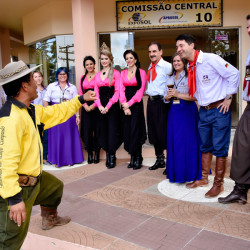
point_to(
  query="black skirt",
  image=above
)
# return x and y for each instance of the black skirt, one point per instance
(109, 125)
(89, 128)
(134, 127)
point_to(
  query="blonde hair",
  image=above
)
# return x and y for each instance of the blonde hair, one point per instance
(104, 50)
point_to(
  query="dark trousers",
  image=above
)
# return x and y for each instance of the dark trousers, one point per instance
(45, 145)
(48, 192)
(157, 115)
(240, 168)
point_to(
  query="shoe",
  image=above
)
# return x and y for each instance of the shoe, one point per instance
(51, 219)
(112, 161)
(138, 162)
(107, 159)
(160, 163)
(206, 160)
(47, 163)
(164, 172)
(90, 157)
(132, 162)
(97, 156)
(239, 194)
(220, 170)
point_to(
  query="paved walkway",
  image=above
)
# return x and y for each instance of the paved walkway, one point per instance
(122, 208)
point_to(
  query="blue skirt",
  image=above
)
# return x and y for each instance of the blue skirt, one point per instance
(183, 143)
(64, 144)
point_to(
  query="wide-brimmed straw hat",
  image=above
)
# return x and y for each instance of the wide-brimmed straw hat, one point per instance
(14, 70)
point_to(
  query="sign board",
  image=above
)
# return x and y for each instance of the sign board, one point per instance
(133, 15)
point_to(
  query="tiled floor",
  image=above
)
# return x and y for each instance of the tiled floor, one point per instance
(122, 209)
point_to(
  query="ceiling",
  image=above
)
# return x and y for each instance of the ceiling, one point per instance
(12, 11)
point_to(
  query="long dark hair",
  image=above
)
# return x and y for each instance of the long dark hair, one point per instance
(86, 58)
(183, 60)
(137, 64)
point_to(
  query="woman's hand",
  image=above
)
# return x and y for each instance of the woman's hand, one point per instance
(125, 106)
(77, 120)
(173, 93)
(86, 107)
(127, 112)
(103, 110)
(91, 107)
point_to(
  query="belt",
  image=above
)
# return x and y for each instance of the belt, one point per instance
(213, 105)
(27, 180)
(156, 97)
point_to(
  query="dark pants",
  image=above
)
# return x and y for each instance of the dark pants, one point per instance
(240, 168)
(48, 192)
(157, 116)
(45, 145)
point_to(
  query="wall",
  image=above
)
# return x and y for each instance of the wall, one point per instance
(54, 18)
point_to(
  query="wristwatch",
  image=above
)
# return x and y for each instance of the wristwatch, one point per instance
(229, 97)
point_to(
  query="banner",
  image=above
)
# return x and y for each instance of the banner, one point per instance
(133, 15)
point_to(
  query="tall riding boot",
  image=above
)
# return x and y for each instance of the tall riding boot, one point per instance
(112, 161)
(51, 219)
(107, 159)
(160, 162)
(132, 161)
(90, 157)
(97, 156)
(206, 160)
(239, 194)
(220, 170)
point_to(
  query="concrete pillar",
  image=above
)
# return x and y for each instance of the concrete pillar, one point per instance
(85, 41)
(5, 47)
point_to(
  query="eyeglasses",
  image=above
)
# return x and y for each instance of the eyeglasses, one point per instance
(62, 74)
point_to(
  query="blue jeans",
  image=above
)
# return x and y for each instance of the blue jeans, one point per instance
(215, 129)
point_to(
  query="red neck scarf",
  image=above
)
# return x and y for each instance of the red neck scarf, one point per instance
(192, 74)
(154, 73)
(244, 86)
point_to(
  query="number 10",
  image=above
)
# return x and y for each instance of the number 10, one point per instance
(207, 17)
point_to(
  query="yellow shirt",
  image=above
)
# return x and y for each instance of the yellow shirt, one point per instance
(20, 144)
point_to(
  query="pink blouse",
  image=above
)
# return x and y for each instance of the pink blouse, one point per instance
(126, 82)
(87, 85)
(116, 83)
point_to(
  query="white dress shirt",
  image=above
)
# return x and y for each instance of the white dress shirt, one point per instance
(157, 87)
(244, 93)
(215, 78)
(55, 94)
(39, 99)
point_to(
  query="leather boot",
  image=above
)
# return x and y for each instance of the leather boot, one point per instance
(206, 160)
(138, 162)
(239, 194)
(90, 157)
(132, 161)
(160, 163)
(112, 161)
(220, 170)
(97, 156)
(51, 219)
(107, 159)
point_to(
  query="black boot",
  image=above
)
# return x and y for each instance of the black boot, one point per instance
(107, 159)
(160, 163)
(97, 156)
(239, 194)
(112, 161)
(90, 157)
(138, 162)
(132, 162)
